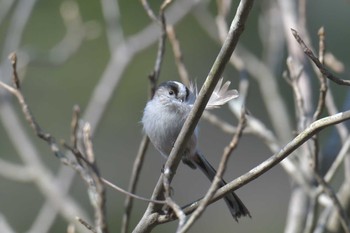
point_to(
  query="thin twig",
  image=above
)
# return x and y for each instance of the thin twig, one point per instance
(153, 77)
(113, 186)
(87, 225)
(293, 80)
(317, 62)
(97, 189)
(121, 56)
(305, 135)
(321, 99)
(135, 174)
(219, 123)
(88, 172)
(149, 10)
(30, 118)
(13, 58)
(344, 151)
(175, 44)
(260, 130)
(344, 220)
(75, 126)
(160, 54)
(89, 151)
(171, 203)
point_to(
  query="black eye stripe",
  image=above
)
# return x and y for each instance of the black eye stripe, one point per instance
(171, 86)
(187, 93)
(174, 88)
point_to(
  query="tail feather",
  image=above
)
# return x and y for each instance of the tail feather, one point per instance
(235, 205)
(221, 95)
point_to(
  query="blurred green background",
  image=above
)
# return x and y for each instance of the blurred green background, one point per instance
(52, 91)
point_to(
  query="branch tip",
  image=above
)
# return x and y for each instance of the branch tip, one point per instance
(13, 59)
(321, 31)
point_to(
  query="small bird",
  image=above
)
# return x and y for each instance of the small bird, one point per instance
(164, 116)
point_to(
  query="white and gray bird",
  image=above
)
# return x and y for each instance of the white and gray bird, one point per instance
(164, 116)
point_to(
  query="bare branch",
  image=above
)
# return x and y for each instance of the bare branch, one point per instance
(87, 225)
(115, 187)
(305, 135)
(88, 173)
(171, 203)
(321, 99)
(13, 59)
(135, 174)
(275, 159)
(338, 161)
(329, 191)
(75, 126)
(175, 44)
(317, 62)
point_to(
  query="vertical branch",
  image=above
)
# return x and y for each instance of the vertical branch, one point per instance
(153, 77)
(135, 174)
(13, 60)
(171, 203)
(96, 188)
(321, 99)
(75, 126)
(181, 68)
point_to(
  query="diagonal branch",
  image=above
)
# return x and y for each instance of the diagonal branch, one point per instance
(268, 164)
(317, 62)
(344, 220)
(305, 135)
(88, 171)
(236, 29)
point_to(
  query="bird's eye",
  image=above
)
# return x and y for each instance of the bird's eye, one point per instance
(171, 92)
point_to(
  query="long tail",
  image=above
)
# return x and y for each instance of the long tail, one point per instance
(235, 205)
